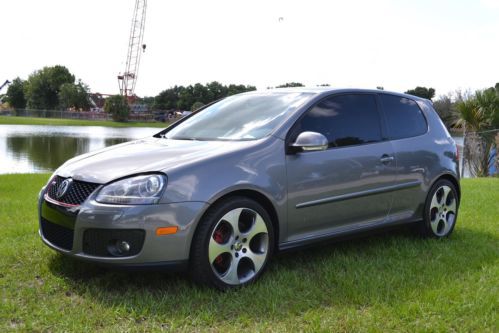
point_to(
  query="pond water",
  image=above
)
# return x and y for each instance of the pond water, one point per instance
(37, 149)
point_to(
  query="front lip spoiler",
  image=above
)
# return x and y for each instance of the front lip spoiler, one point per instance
(167, 266)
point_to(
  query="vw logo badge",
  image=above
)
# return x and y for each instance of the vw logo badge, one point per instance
(63, 188)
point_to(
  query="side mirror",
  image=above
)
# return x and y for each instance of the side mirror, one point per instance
(309, 141)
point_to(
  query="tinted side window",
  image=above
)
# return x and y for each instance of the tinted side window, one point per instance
(344, 120)
(404, 117)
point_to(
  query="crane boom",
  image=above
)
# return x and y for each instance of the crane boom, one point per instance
(128, 79)
(4, 84)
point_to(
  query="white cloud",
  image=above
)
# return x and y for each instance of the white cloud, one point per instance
(490, 3)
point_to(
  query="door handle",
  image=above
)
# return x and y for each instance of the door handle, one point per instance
(386, 159)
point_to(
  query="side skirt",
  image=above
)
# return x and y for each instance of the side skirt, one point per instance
(346, 232)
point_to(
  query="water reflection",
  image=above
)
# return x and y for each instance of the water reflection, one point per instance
(114, 141)
(32, 148)
(44, 148)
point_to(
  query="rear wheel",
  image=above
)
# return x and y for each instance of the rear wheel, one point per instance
(441, 209)
(232, 245)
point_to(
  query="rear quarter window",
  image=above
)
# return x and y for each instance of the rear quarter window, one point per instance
(403, 116)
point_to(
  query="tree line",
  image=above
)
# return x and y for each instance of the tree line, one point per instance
(55, 88)
(194, 96)
(49, 88)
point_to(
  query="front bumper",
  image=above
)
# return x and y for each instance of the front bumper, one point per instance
(69, 230)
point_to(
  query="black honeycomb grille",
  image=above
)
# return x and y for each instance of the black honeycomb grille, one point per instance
(76, 194)
(58, 235)
(101, 242)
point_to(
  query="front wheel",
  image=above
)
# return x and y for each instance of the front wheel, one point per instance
(441, 207)
(232, 245)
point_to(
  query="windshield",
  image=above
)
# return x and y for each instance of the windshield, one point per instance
(240, 117)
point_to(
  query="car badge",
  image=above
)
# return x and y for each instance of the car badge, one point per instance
(63, 188)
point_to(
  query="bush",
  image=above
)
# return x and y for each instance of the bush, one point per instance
(118, 107)
(196, 106)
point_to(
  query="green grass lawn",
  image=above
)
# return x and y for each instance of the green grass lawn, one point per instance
(392, 281)
(9, 120)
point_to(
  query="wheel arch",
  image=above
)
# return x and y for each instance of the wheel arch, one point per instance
(263, 200)
(452, 179)
(255, 195)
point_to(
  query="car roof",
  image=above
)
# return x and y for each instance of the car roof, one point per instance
(329, 90)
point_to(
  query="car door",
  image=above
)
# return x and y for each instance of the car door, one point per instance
(348, 185)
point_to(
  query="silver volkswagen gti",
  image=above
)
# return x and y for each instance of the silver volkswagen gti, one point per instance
(220, 191)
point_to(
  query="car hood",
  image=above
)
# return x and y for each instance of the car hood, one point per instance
(145, 155)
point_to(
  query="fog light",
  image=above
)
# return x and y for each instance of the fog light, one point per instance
(122, 247)
(118, 248)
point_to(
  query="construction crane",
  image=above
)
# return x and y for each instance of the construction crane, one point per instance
(4, 84)
(128, 79)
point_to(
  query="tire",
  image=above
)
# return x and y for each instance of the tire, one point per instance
(441, 209)
(232, 245)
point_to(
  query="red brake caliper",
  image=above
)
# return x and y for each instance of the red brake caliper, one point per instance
(218, 236)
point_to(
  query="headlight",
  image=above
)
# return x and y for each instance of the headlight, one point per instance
(138, 190)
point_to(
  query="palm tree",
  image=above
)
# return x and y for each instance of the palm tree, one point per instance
(479, 116)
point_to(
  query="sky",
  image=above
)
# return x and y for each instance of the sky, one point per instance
(444, 44)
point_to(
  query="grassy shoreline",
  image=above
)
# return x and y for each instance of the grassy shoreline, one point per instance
(390, 282)
(11, 120)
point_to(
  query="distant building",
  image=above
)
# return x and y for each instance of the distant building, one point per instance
(138, 108)
(97, 102)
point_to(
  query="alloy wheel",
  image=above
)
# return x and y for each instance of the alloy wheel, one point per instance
(238, 246)
(443, 208)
